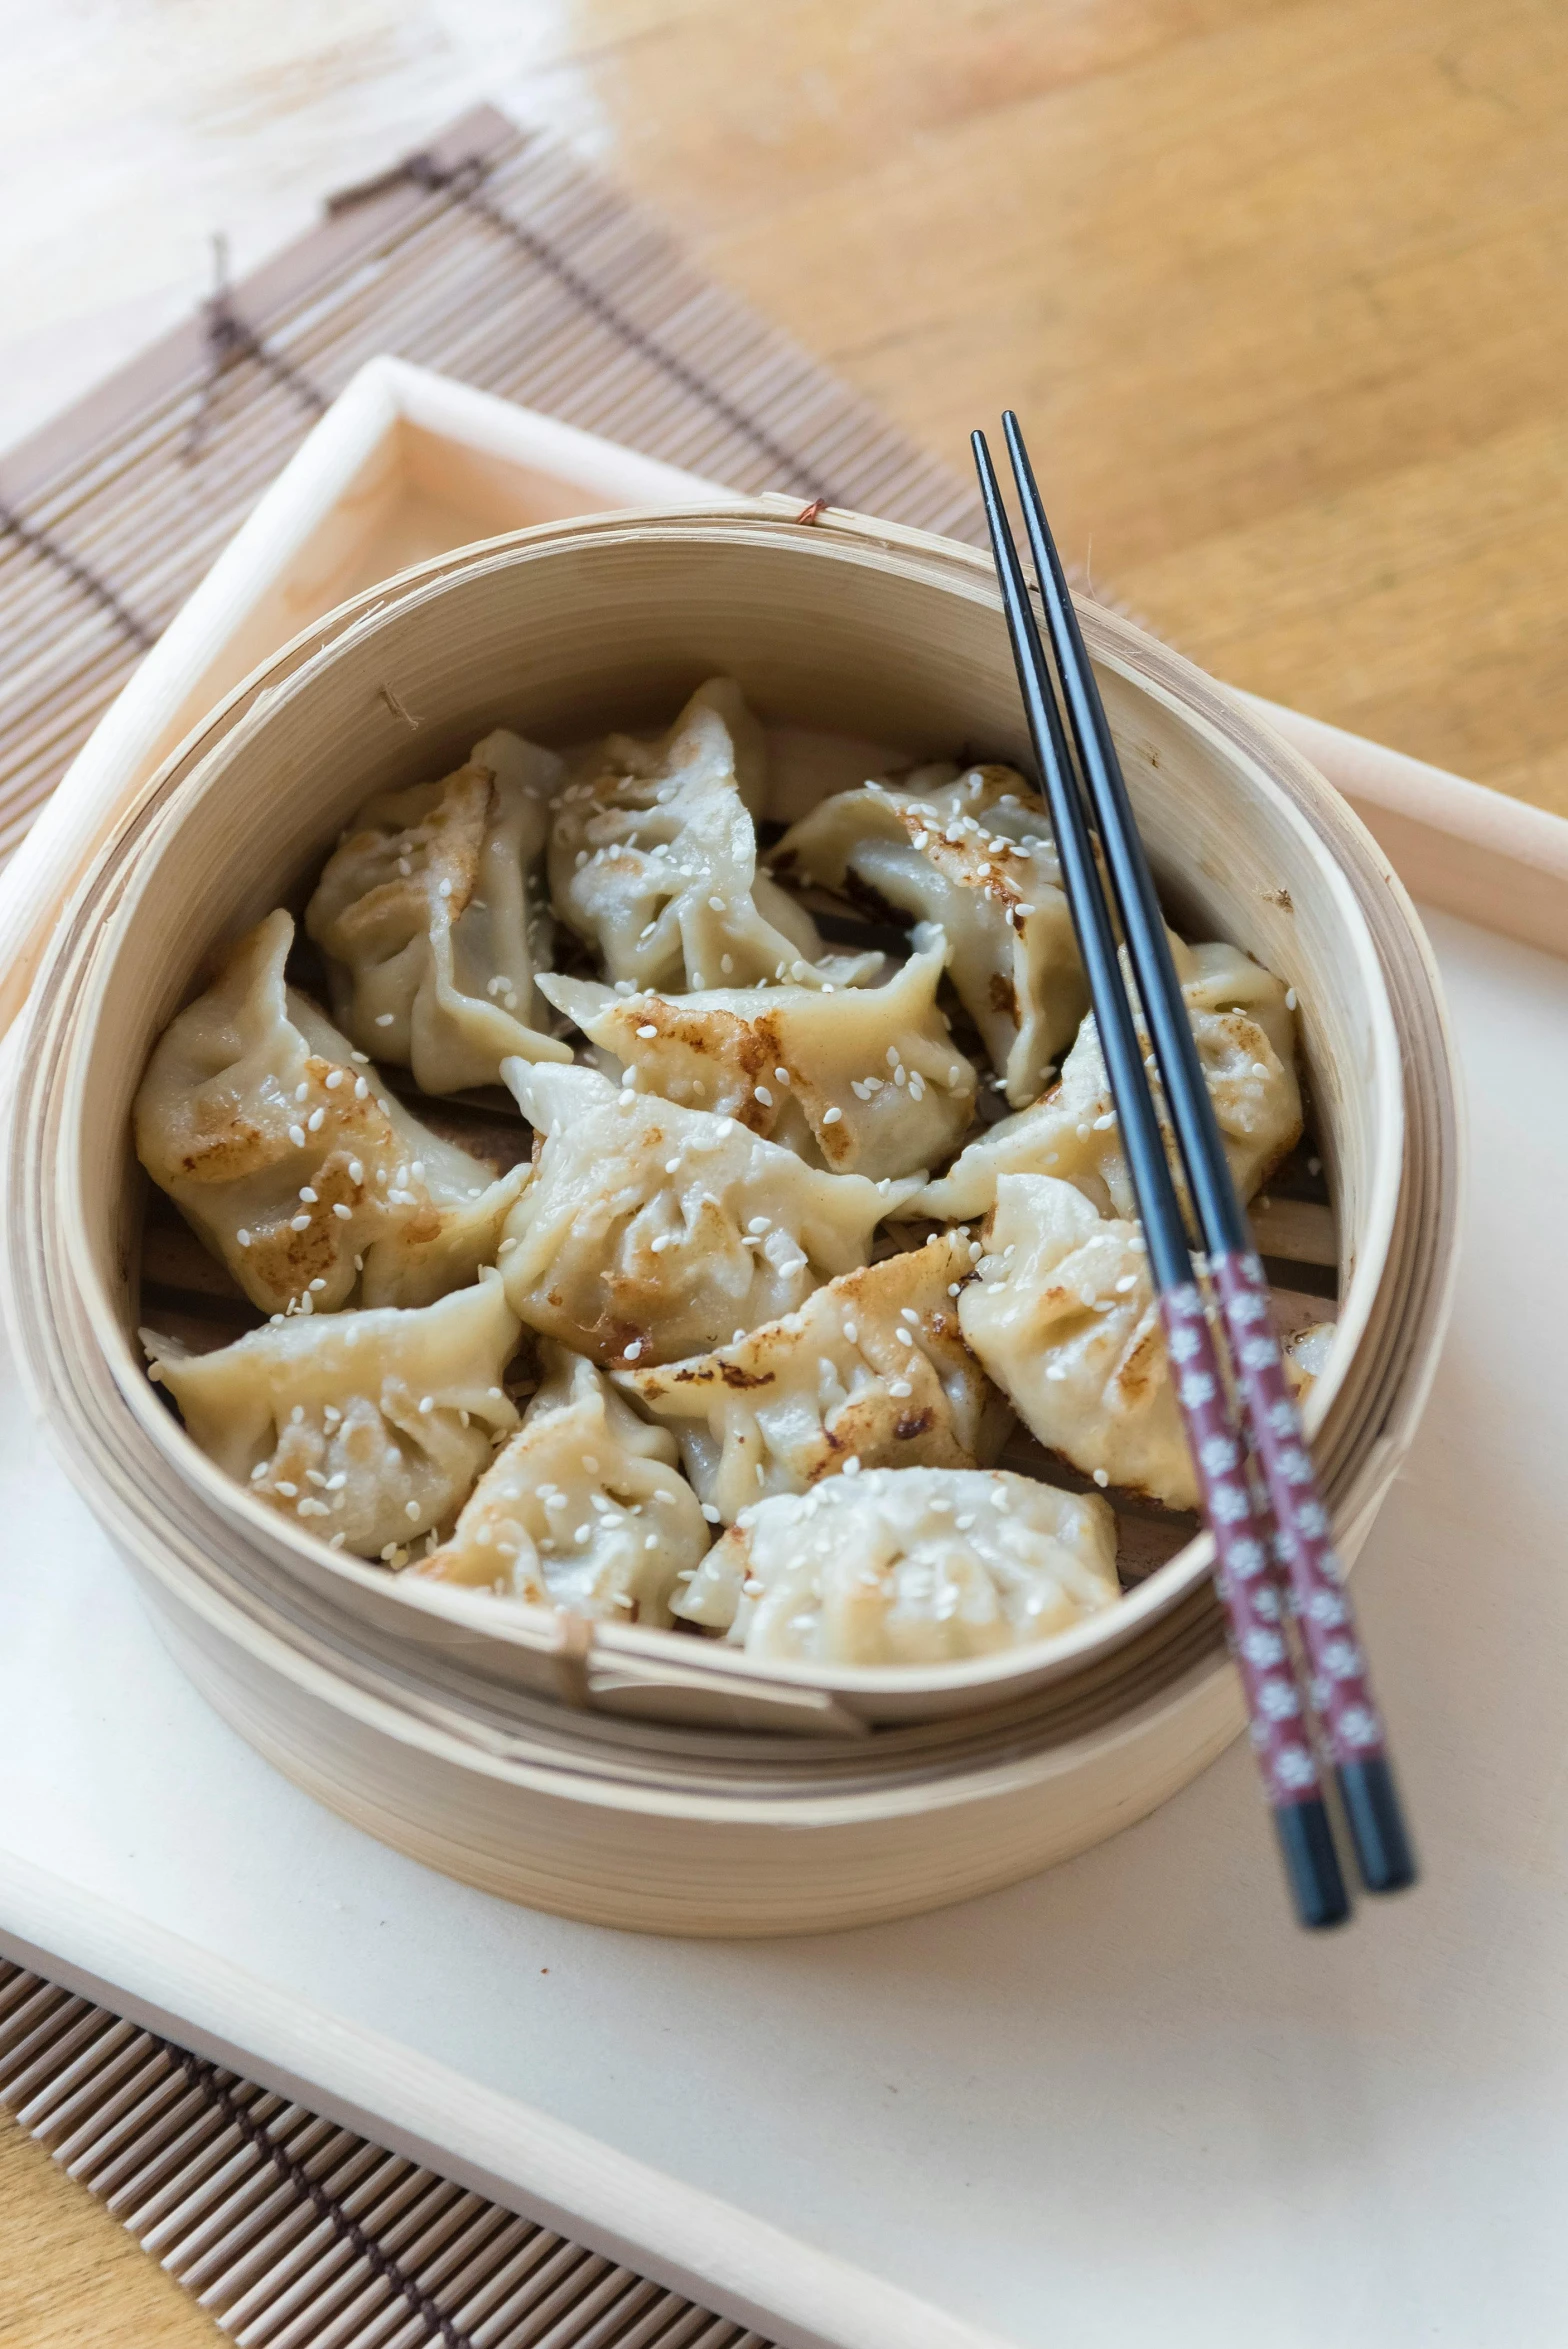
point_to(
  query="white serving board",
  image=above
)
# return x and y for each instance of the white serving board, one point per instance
(1121, 2104)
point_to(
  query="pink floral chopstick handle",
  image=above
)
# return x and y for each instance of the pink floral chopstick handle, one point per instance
(1245, 1575)
(1304, 1537)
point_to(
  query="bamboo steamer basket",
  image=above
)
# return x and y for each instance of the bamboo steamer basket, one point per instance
(634, 1779)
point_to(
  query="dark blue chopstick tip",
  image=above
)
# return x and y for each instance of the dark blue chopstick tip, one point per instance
(1377, 1827)
(1306, 1842)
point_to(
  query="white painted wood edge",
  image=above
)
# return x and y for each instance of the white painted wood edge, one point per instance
(1474, 852)
(513, 2154)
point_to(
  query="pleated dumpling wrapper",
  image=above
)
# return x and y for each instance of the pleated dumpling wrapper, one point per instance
(653, 860)
(432, 915)
(907, 1566)
(584, 1509)
(974, 856)
(367, 1429)
(282, 1148)
(1064, 1319)
(1245, 1033)
(651, 1231)
(865, 1080)
(871, 1371)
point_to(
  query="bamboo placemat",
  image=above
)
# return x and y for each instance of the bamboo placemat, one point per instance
(494, 257)
(294, 2234)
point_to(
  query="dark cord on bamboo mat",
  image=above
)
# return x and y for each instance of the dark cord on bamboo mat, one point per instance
(463, 182)
(204, 2078)
(230, 341)
(49, 550)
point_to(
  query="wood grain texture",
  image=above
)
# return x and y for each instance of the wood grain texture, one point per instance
(1276, 284)
(70, 2278)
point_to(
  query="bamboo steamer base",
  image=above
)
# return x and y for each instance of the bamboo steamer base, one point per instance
(676, 1792)
(700, 1868)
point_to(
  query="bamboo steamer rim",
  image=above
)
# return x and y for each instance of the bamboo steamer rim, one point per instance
(118, 881)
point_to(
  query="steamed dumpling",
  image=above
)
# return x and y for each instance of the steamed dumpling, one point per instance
(1063, 1317)
(279, 1145)
(1245, 1037)
(871, 1370)
(653, 861)
(865, 1080)
(431, 916)
(651, 1231)
(907, 1566)
(365, 1428)
(584, 1509)
(975, 857)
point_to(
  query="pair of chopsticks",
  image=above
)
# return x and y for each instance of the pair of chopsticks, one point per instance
(1292, 1633)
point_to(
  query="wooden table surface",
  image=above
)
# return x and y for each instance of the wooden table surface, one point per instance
(1274, 283)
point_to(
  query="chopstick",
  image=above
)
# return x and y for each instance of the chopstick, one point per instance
(1275, 1567)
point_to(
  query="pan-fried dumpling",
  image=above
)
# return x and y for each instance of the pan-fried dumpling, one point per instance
(279, 1145)
(907, 1566)
(431, 916)
(871, 1371)
(976, 858)
(1064, 1319)
(1244, 1032)
(365, 1428)
(651, 1231)
(584, 1509)
(653, 861)
(865, 1080)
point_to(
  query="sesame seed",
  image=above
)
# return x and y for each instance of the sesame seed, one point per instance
(411, 1509)
(852, 1468)
(852, 1332)
(782, 1075)
(307, 1194)
(290, 1492)
(361, 1089)
(651, 1542)
(710, 1512)
(672, 1166)
(717, 904)
(318, 1285)
(334, 1079)
(384, 1020)
(1101, 1478)
(648, 1031)
(833, 1116)
(903, 1337)
(908, 1313)
(243, 1237)
(343, 1214)
(1290, 998)
(1056, 1370)
(299, 1223)
(297, 1137)
(634, 1349)
(900, 1386)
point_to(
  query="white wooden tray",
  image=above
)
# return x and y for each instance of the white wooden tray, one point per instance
(1121, 2104)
